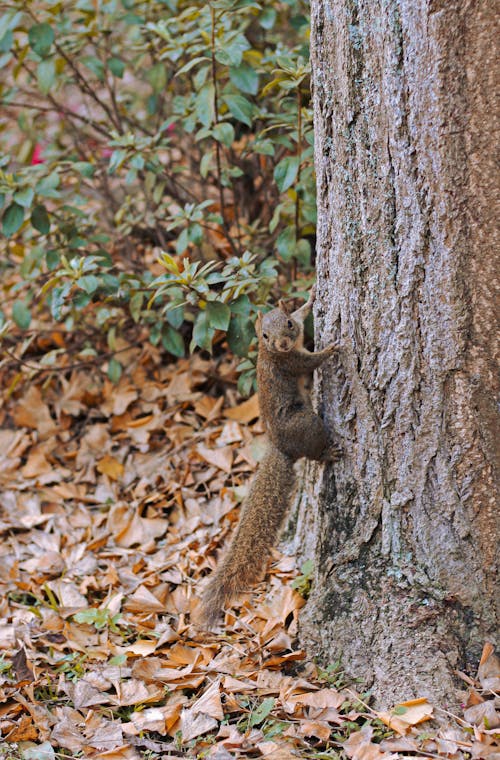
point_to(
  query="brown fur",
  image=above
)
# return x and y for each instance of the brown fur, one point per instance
(257, 531)
(294, 431)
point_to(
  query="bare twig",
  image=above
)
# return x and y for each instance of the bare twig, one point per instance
(217, 143)
(75, 365)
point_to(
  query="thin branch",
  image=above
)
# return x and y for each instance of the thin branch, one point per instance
(297, 192)
(75, 365)
(217, 143)
(57, 108)
(85, 86)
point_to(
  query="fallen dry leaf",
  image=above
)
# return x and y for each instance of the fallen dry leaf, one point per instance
(407, 714)
(483, 715)
(111, 467)
(195, 724)
(114, 502)
(488, 672)
(221, 458)
(359, 746)
(245, 412)
(32, 412)
(210, 702)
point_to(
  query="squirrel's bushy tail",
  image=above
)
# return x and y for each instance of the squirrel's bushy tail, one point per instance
(262, 514)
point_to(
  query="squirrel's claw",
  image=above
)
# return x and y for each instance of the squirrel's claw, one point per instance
(333, 348)
(333, 453)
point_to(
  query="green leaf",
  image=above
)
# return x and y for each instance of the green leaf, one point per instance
(24, 197)
(262, 711)
(118, 157)
(41, 37)
(224, 133)
(89, 283)
(12, 218)
(303, 251)
(169, 263)
(114, 370)
(157, 77)
(240, 334)
(5, 58)
(21, 315)
(204, 105)
(172, 340)
(175, 316)
(84, 168)
(9, 21)
(119, 660)
(245, 78)
(240, 107)
(241, 305)
(6, 43)
(285, 173)
(52, 258)
(218, 314)
(245, 383)
(182, 242)
(265, 147)
(191, 64)
(132, 19)
(230, 52)
(267, 18)
(47, 186)
(95, 65)
(195, 233)
(399, 710)
(93, 616)
(40, 219)
(202, 333)
(307, 567)
(58, 298)
(81, 300)
(46, 75)
(137, 161)
(116, 66)
(206, 164)
(285, 243)
(135, 305)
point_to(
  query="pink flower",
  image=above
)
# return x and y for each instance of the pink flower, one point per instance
(36, 158)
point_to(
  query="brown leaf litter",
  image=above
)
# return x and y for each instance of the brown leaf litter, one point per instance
(114, 500)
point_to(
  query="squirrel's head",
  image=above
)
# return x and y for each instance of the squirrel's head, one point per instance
(277, 331)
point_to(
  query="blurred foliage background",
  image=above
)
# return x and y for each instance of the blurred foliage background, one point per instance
(156, 176)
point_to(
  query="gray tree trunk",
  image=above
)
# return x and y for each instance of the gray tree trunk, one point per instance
(404, 530)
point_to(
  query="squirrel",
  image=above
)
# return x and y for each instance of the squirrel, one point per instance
(294, 430)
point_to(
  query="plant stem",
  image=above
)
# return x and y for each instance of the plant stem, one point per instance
(297, 192)
(217, 143)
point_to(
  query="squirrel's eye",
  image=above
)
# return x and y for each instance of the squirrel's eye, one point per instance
(290, 323)
(264, 335)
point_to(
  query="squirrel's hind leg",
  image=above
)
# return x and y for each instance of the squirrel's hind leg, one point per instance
(305, 435)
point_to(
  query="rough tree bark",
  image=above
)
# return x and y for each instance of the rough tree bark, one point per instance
(404, 530)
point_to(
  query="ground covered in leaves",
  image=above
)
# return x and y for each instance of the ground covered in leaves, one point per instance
(114, 500)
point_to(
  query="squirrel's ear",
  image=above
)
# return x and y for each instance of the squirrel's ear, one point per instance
(258, 324)
(283, 307)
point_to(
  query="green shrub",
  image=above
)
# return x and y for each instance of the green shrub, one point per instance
(156, 154)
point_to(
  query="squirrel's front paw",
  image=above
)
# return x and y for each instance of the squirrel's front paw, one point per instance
(333, 453)
(333, 348)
